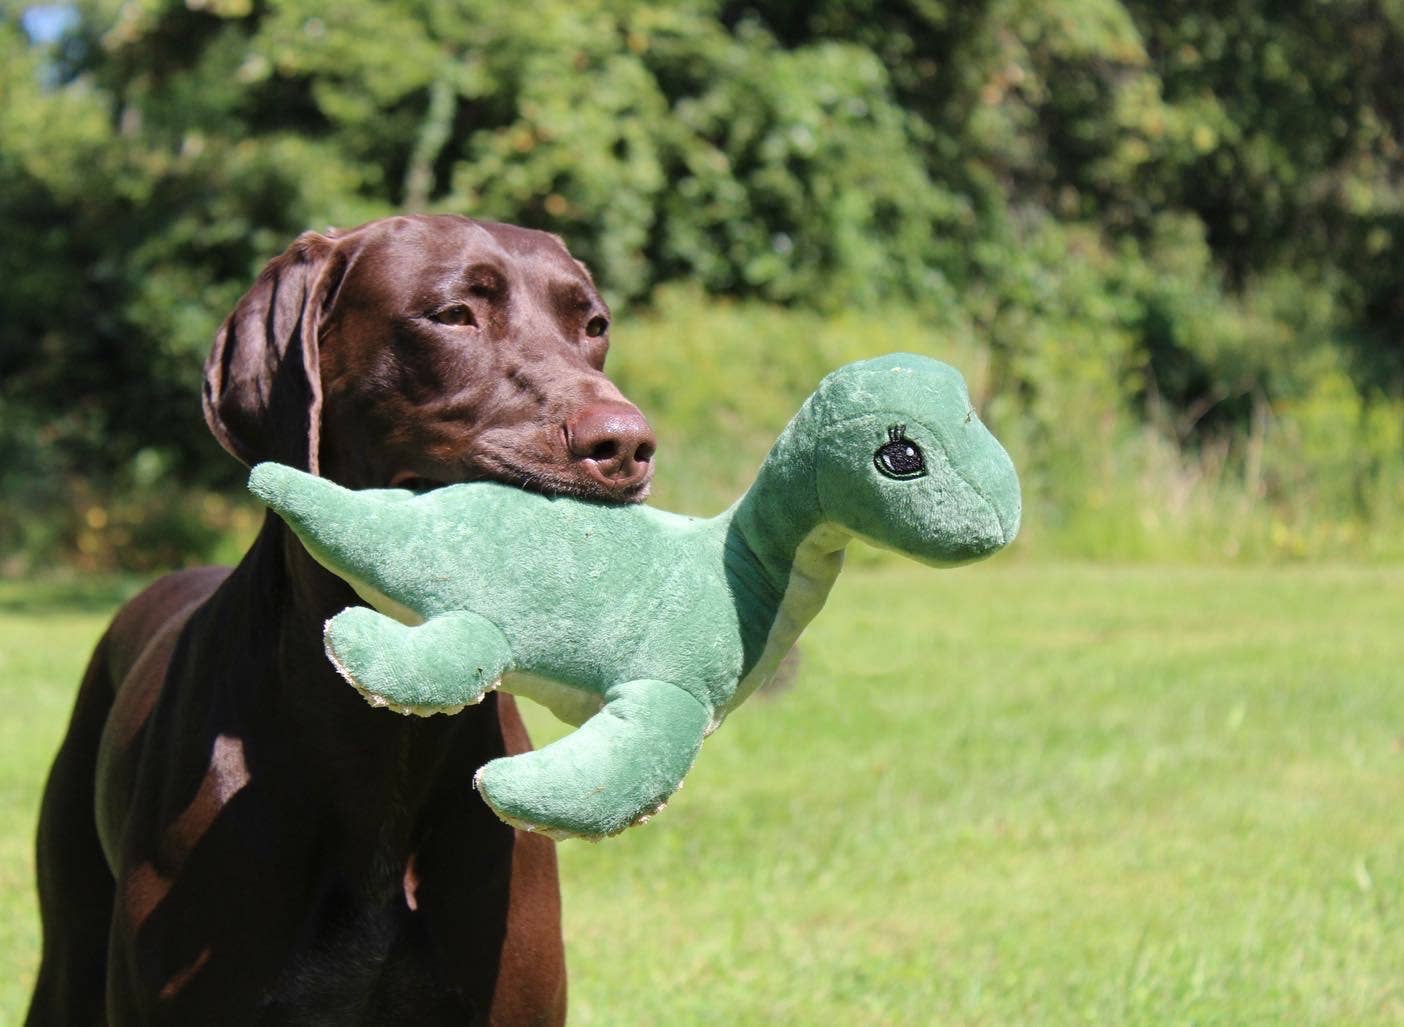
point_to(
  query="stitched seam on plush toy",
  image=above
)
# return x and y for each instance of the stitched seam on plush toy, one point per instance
(814, 468)
(706, 709)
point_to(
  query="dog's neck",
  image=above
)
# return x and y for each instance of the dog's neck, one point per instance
(372, 772)
(314, 594)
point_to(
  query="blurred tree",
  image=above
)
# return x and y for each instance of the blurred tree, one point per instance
(1183, 209)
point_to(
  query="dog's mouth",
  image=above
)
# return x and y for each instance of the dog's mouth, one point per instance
(590, 490)
(542, 481)
(414, 482)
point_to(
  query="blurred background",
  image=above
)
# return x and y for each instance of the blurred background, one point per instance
(1164, 240)
(1147, 767)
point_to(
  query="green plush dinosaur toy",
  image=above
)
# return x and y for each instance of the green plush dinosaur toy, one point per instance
(645, 628)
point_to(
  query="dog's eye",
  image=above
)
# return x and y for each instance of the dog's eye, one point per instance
(456, 314)
(596, 327)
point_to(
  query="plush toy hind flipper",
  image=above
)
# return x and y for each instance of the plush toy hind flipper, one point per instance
(446, 663)
(616, 769)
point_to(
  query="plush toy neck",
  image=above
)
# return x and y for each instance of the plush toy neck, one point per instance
(782, 556)
(781, 508)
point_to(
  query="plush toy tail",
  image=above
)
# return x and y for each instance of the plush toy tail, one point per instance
(274, 484)
(342, 529)
(296, 496)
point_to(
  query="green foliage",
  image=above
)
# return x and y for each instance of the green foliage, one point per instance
(720, 379)
(1108, 469)
(1168, 229)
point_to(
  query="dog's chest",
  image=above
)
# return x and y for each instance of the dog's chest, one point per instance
(365, 966)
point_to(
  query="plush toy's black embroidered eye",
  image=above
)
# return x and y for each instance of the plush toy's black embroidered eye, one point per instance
(899, 457)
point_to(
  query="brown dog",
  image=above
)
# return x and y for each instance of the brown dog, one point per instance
(267, 848)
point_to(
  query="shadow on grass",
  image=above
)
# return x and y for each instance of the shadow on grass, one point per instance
(46, 597)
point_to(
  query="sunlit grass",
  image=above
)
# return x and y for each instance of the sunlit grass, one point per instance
(1013, 793)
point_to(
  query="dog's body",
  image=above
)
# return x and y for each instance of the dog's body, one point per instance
(266, 848)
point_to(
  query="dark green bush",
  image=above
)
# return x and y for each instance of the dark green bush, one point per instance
(1168, 235)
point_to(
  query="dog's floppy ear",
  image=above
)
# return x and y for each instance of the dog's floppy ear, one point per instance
(263, 388)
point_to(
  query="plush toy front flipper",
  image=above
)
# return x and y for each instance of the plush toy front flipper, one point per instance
(446, 663)
(615, 770)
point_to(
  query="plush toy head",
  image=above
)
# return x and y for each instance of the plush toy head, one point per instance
(903, 462)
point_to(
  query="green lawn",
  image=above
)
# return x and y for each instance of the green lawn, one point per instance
(1014, 793)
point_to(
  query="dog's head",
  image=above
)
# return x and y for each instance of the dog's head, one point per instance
(416, 351)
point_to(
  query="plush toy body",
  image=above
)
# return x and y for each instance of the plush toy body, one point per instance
(644, 627)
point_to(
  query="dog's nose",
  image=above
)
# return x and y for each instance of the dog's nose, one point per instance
(613, 442)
